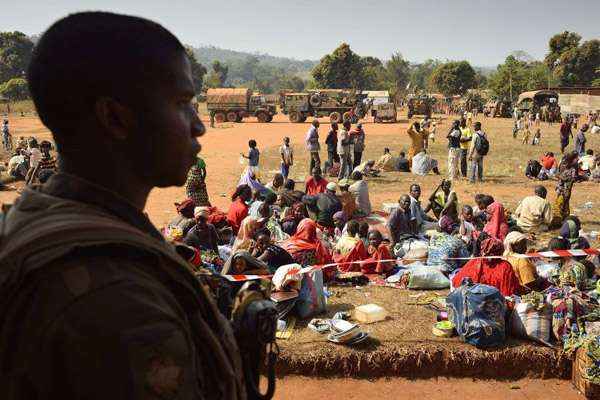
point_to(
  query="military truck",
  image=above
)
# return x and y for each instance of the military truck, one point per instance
(337, 104)
(420, 105)
(384, 112)
(234, 104)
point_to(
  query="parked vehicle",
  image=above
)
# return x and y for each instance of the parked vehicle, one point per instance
(234, 104)
(420, 105)
(337, 104)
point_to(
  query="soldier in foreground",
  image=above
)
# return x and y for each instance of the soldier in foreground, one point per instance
(93, 303)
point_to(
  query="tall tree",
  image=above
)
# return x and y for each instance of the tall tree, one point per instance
(398, 73)
(15, 89)
(579, 65)
(198, 70)
(221, 71)
(454, 77)
(559, 44)
(15, 54)
(420, 75)
(341, 69)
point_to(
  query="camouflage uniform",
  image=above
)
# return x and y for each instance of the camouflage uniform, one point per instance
(91, 313)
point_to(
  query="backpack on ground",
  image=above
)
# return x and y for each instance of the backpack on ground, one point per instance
(478, 313)
(482, 145)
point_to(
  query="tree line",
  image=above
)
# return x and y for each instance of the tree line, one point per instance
(568, 62)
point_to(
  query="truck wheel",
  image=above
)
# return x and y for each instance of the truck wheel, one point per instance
(262, 117)
(347, 116)
(295, 117)
(220, 117)
(335, 117)
(315, 100)
(232, 116)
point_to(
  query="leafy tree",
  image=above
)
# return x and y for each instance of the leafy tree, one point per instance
(578, 65)
(559, 44)
(15, 54)
(398, 73)
(373, 74)
(15, 89)
(420, 75)
(454, 77)
(510, 79)
(341, 69)
(292, 82)
(198, 70)
(220, 71)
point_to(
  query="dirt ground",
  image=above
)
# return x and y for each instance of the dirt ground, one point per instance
(504, 168)
(300, 388)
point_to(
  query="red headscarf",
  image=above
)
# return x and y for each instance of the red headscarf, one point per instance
(496, 226)
(305, 239)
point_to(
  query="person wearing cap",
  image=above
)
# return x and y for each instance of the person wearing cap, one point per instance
(358, 136)
(324, 206)
(203, 236)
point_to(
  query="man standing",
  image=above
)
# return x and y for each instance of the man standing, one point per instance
(100, 292)
(466, 136)
(331, 142)
(313, 146)
(534, 213)
(580, 140)
(454, 150)
(343, 150)
(417, 140)
(358, 136)
(565, 134)
(287, 157)
(479, 149)
(6, 136)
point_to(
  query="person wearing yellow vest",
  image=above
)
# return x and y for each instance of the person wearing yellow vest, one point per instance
(466, 136)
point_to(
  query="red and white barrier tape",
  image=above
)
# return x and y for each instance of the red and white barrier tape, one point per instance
(543, 254)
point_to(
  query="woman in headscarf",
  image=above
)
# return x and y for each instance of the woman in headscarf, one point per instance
(567, 175)
(242, 262)
(570, 231)
(339, 222)
(490, 271)
(292, 217)
(245, 236)
(515, 244)
(496, 226)
(378, 253)
(305, 247)
(239, 207)
(350, 248)
(572, 273)
(183, 222)
(195, 186)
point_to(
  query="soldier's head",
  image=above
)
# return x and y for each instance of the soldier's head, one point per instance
(315, 123)
(286, 140)
(123, 86)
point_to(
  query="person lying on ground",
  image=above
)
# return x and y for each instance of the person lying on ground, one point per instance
(490, 271)
(525, 270)
(379, 256)
(360, 190)
(533, 170)
(350, 248)
(324, 205)
(367, 168)
(271, 254)
(316, 184)
(534, 213)
(401, 223)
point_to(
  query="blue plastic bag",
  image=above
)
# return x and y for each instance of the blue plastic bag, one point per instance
(311, 299)
(478, 313)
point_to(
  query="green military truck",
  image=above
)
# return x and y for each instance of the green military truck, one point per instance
(337, 104)
(420, 105)
(234, 104)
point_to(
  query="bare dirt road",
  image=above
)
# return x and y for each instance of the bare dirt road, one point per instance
(300, 388)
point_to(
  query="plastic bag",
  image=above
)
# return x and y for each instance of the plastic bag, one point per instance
(528, 322)
(311, 299)
(427, 277)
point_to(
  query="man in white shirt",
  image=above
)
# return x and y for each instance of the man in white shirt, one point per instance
(343, 150)
(287, 157)
(534, 214)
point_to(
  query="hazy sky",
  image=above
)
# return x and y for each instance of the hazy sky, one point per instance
(483, 32)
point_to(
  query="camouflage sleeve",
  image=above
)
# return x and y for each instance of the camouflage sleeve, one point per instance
(126, 341)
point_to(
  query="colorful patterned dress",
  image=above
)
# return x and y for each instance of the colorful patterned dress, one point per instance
(195, 186)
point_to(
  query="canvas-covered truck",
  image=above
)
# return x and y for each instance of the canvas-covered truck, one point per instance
(234, 104)
(337, 104)
(420, 105)
(384, 112)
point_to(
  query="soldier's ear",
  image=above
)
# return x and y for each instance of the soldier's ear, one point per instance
(116, 119)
